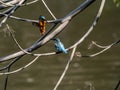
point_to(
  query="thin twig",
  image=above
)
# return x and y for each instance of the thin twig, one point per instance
(92, 26)
(100, 46)
(21, 19)
(29, 3)
(10, 4)
(49, 9)
(8, 70)
(105, 49)
(8, 67)
(29, 20)
(6, 79)
(66, 68)
(22, 68)
(17, 41)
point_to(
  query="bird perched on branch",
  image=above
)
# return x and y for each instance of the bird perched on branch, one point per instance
(59, 46)
(41, 24)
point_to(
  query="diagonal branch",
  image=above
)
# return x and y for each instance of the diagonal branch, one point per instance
(64, 23)
(49, 10)
(92, 26)
(66, 69)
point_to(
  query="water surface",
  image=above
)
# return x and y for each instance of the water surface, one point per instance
(101, 72)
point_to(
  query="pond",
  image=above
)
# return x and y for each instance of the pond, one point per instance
(100, 73)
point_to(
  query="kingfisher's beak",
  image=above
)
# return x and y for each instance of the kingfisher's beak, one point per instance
(44, 19)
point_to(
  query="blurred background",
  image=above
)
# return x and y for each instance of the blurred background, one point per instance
(101, 72)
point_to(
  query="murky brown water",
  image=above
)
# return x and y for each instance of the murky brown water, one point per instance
(102, 72)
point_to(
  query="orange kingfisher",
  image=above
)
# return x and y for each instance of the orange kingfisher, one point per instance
(41, 24)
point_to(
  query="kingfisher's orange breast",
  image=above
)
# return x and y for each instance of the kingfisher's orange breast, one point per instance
(42, 27)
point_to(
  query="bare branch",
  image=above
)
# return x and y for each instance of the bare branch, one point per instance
(66, 68)
(9, 3)
(10, 64)
(12, 10)
(14, 2)
(21, 19)
(105, 49)
(20, 69)
(92, 26)
(29, 3)
(100, 46)
(16, 42)
(44, 40)
(49, 10)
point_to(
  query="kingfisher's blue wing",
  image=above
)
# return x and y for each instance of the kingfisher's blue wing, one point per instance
(56, 46)
(61, 47)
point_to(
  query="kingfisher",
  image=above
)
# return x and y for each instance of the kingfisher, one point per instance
(59, 45)
(41, 24)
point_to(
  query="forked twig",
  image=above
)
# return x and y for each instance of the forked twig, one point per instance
(105, 49)
(13, 9)
(99, 46)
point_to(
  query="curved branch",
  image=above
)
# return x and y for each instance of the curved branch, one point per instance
(66, 68)
(92, 26)
(105, 49)
(64, 23)
(20, 69)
